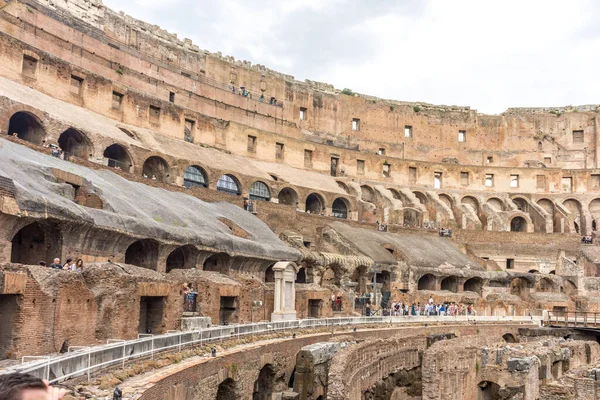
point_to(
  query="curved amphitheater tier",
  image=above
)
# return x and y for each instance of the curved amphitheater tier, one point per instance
(138, 152)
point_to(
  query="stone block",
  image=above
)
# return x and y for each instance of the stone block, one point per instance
(521, 364)
(195, 323)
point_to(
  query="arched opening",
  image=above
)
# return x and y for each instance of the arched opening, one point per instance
(367, 194)
(473, 285)
(509, 338)
(227, 390)
(288, 196)
(533, 271)
(217, 263)
(488, 391)
(545, 285)
(471, 202)
(426, 282)
(269, 274)
(264, 384)
(343, 186)
(450, 284)
(36, 242)
(156, 168)
(117, 157)
(74, 143)
(411, 217)
(339, 209)
(446, 200)
(521, 204)
(331, 276)
(315, 204)
(574, 207)
(182, 258)
(496, 204)
(291, 380)
(519, 287)
(421, 197)
(143, 253)
(569, 288)
(384, 278)
(229, 184)
(301, 275)
(195, 176)
(518, 224)
(27, 127)
(260, 191)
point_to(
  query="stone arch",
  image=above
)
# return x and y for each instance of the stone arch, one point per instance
(471, 201)
(595, 211)
(533, 271)
(332, 275)
(38, 241)
(117, 156)
(574, 207)
(450, 284)
(367, 194)
(569, 288)
(545, 285)
(509, 338)
(343, 186)
(264, 384)
(288, 196)
(27, 126)
(228, 183)
(518, 224)
(270, 274)
(495, 203)
(547, 205)
(75, 143)
(522, 204)
(218, 262)
(519, 287)
(474, 285)
(228, 390)
(156, 167)
(260, 191)
(315, 204)
(421, 197)
(143, 253)
(488, 391)
(447, 200)
(301, 275)
(340, 208)
(195, 175)
(411, 217)
(183, 257)
(426, 282)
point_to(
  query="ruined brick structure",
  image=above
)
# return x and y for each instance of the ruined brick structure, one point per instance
(160, 147)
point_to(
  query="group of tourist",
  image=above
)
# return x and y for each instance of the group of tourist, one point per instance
(588, 239)
(431, 309)
(336, 302)
(70, 265)
(189, 298)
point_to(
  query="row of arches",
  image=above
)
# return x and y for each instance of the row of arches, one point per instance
(450, 283)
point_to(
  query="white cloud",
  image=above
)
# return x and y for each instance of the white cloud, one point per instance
(489, 55)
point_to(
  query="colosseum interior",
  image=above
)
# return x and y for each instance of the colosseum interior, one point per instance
(290, 202)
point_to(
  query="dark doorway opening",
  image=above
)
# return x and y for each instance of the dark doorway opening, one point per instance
(227, 390)
(27, 127)
(151, 314)
(143, 253)
(488, 391)
(263, 385)
(118, 157)
(228, 312)
(74, 143)
(36, 242)
(9, 309)
(314, 308)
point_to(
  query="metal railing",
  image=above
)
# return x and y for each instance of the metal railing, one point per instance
(85, 360)
(575, 319)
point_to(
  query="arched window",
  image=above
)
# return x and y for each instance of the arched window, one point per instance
(156, 168)
(117, 157)
(228, 184)
(339, 209)
(194, 176)
(27, 127)
(314, 204)
(74, 143)
(260, 191)
(288, 196)
(518, 224)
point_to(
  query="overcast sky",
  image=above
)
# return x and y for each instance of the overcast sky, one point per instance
(486, 54)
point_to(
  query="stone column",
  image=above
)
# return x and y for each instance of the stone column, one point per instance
(285, 292)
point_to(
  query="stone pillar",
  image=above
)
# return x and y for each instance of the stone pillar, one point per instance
(285, 292)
